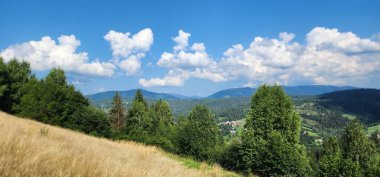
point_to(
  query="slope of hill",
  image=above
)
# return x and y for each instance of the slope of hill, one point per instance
(291, 90)
(362, 102)
(29, 148)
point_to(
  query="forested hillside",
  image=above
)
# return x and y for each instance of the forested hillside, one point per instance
(365, 103)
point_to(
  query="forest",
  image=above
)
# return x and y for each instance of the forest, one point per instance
(269, 144)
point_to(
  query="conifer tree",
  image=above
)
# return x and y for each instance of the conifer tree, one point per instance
(162, 128)
(140, 98)
(117, 112)
(137, 120)
(163, 114)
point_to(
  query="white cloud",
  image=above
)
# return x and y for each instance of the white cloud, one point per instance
(174, 78)
(332, 57)
(46, 54)
(131, 65)
(181, 57)
(333, 40)
(181, 40)
(127, 50)
(327, 57)
(184, 63)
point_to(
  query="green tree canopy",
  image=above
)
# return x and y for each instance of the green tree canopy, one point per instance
(140, 98)
(200, 136)
(137, 121)
(92, 121)
(163, 113)
(14, 75)
(353, 154)
(329, 164)
(269, 144)
(359, 149)
(272, 110)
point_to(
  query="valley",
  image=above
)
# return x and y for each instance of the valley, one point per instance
(322, 115)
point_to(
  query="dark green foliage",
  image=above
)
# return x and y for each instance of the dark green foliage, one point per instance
(51, 100)
(163, 114)
(3, 78)
(272, 109)
(200, 136)
(92, 121)
(30, 101)
(14, 75)
(358, 148)
(331, 156)
(353, 154)
(74, 102)
(117, 113)
(140, 98)
(162, 130)
(137, 121)
(54, 88)
(269, 145)
(232, 159)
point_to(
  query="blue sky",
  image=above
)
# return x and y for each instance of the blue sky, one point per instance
(222, 44)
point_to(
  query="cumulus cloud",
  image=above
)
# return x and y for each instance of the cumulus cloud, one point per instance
(174, 78)
(333, 40)
(328, 56)
(127, 50)
(181, 40)
(47, 53)
(185, 62)
(333, 57)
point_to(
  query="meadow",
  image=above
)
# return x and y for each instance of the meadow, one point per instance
(30, 148)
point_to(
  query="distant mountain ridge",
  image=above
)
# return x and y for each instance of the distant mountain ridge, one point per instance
(291, 90)
(129, 94)
(227, 93)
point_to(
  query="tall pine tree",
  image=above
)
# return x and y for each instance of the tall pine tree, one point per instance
(117, 113)
(137, 120)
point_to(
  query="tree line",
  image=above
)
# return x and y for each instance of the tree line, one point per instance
(269, 144)
(50, 100)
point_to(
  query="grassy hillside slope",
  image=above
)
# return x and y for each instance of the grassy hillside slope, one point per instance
(30, 148)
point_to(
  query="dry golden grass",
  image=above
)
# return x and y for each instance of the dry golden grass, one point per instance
(30, 148)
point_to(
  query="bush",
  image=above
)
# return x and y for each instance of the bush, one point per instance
(91, 121)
